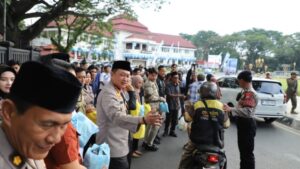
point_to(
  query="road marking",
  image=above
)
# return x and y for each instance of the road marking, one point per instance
(288, 129)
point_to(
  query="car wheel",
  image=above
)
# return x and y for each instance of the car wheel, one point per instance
(270, 120)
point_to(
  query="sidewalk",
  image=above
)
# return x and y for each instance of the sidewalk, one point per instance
(291, 120)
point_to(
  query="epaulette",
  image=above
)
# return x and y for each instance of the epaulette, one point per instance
(17, 160)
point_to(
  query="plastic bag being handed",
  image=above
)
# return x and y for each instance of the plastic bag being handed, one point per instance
(182, 125)
(84, 126)
(97, 157)
(163, 107)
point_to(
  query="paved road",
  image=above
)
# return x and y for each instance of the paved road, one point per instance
(277, 147)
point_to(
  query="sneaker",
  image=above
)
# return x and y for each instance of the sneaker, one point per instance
(173, 134)
(151, 148)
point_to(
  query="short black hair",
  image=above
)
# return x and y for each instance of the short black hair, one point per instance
(160, 67)
(245, 75)
(21, 105)
(135, 70)
(13, 62)
(174, 64)
(174, 74)
(294, 73)
(209, 76)
(79, 69)
(152, 70)
(91, 67)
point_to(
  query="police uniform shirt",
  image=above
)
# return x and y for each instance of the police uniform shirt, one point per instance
(114, 122)
(10, 159)
(246, 104)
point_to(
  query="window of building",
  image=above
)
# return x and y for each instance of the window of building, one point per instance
(165, 49)
(128, 45)
(137, 46)
(144, 47)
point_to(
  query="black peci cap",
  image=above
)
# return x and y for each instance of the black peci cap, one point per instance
(121, 64)
(46, 86)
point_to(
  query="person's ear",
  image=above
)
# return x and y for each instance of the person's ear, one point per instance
(8, 111)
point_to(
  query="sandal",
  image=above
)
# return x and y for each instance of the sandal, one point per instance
(135, 155)
(138, 152)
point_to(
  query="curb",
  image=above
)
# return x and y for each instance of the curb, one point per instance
(290, 122)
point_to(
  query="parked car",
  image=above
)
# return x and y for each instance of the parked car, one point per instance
(271, 97)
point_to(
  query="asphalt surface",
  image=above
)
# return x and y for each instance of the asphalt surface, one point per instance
(277, 147)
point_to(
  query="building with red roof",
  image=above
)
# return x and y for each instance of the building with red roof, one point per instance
(132, 41)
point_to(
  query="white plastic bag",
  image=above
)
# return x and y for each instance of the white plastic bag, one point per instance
(182, 125)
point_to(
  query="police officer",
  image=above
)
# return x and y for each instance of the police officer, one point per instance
(113, 119)
(208, 123)
(291, 91)
(246, 124)
(36, 114)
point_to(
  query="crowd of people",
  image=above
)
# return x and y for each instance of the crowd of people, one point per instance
(38, 100)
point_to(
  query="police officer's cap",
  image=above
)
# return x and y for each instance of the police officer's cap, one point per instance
(46, 86)
(121, 64)
(245, 75)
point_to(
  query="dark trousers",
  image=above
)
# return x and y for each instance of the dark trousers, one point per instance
(293, 98)
(135, 144)
(246, 133)
(119, 163)
(171, 117)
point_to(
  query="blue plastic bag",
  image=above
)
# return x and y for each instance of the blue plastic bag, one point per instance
(84, 126)
(142, 111)
(163, 107)
(97, 157)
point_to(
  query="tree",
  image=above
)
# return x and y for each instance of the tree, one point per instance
(49, 10)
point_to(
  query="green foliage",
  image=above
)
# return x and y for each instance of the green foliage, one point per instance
(46, 11)
(272, 46)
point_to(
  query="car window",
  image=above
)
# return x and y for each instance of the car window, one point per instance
(267, 87)
(230, 83)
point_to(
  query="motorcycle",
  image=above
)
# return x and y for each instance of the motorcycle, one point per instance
(209, 157)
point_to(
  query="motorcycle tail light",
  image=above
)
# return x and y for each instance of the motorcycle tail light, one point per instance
(213, 158)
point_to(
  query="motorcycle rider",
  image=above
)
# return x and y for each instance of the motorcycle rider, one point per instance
(208, 124)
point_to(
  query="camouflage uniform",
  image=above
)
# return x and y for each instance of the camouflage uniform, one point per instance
(152, 97)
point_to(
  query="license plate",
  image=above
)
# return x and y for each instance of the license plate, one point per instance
(268, 102)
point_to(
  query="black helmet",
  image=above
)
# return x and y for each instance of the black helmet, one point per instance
(208, 90)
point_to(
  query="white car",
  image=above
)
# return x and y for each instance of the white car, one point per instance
(271, 97)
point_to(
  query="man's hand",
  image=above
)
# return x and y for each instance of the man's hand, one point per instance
(162, 99)
(226, 108)
(153, 119)
(129, 87)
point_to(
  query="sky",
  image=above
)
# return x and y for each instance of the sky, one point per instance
(222, 16)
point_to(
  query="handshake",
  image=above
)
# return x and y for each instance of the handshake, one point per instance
(153, 118)
(227, 108)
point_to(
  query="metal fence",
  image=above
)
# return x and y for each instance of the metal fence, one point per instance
(21, 55)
